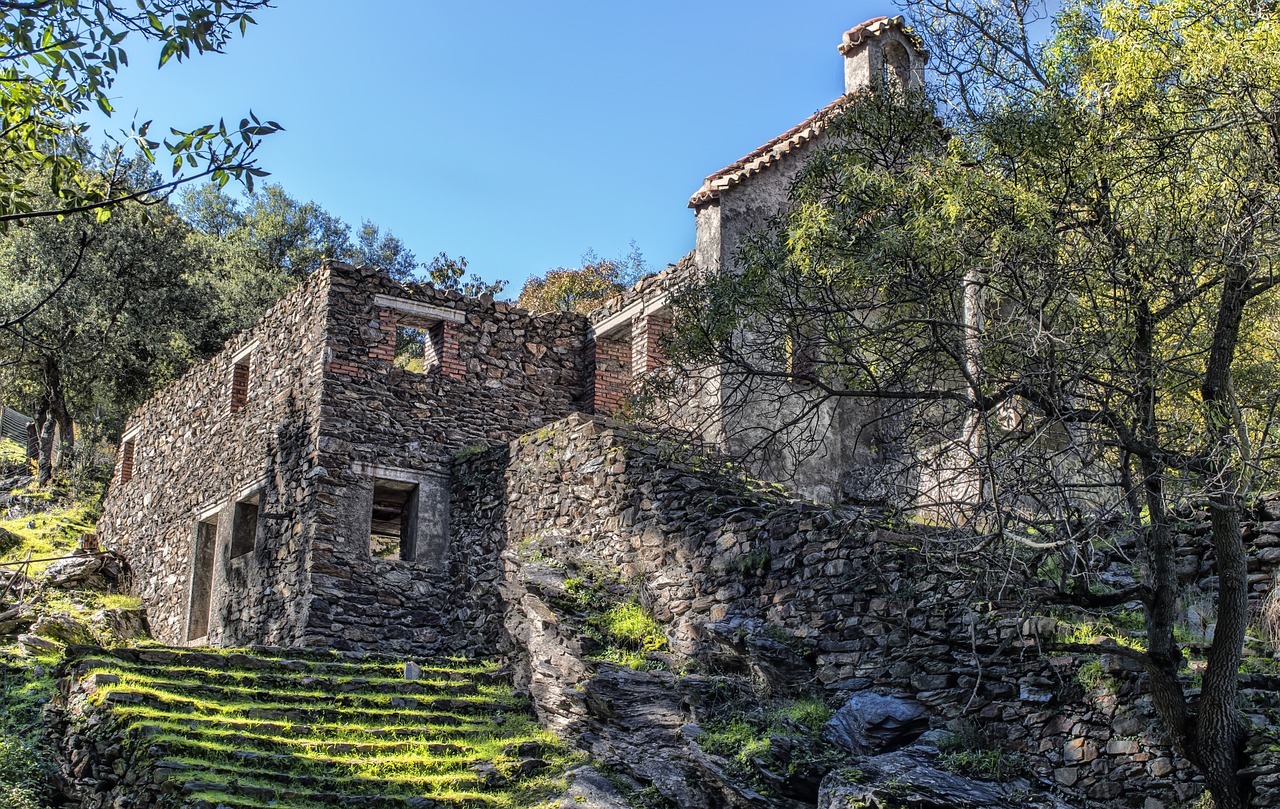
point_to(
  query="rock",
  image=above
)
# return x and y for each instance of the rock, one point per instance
(412, 671)
(909, 777)
(8, 540)
(122, 624)
(75, 571)
(588, 789)
(776, 665)
(14, 620)
(38, 645)
(870, 723)
(63, 629)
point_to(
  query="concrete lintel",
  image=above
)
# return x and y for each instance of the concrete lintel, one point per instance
(640, 308)
(419, 308)
(252, 489)
(244, 352)
(370, 470)
(211, 511)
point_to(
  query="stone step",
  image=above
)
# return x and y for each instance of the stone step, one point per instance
(274, 743)
(215, 795)
(299, 714)
(285, 660)
(442, 759)
(246, 686)
(267, 783)
(430, 679)
(460, 732)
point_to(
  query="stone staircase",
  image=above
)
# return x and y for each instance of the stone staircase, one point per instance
(200, 729)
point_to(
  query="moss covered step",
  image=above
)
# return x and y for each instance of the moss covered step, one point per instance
(282, 661)
(245, 731)
(465, 696)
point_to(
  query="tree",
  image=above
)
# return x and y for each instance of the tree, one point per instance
(98, 315)
(447, 273)
(1061, 307)
(59, 58)
(585, 288)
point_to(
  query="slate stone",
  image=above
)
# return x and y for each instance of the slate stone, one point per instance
(870, 723)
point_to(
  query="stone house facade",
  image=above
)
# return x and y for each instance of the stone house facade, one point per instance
(295, 489)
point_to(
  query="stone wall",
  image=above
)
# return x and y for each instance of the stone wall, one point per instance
(328, 415)
(515, 372)
(194, 458)
(719, 560)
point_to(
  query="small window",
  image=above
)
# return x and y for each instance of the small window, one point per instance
(244, 527)
(801, 354)
(240, 385)
(419, 345)
(394, 521)
(126, 460)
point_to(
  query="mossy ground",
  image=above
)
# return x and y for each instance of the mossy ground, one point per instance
(49, 533)
(317, 733)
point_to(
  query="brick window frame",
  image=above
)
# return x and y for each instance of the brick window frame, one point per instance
(241, 377)
(440, 328)
(128, 455)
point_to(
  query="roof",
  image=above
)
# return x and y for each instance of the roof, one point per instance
(876, 26)
(767, 155)
(796, 137)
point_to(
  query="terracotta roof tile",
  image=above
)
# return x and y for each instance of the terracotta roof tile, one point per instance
(876, 26)
(766, 155)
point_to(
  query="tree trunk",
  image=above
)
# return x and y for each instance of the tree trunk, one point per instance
(56, 427)
(1220, 730)
(45, 428)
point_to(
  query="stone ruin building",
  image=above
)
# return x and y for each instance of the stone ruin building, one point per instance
(387, 467)
(298, 488)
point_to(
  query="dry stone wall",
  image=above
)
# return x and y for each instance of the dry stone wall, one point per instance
(194, 457)
(722, 564)
(517, 372)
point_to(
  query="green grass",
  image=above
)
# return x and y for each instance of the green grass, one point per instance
(13, 457)
(337, 727)
(49, 534)
(25, 686)
(741, 733)
(631, 625)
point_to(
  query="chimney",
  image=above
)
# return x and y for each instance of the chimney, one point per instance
(883, 48)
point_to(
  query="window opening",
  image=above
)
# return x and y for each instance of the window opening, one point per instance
(126, 460)
(394, 521)
(801, 354)
(419, 346)
(897, 66)
(240, 385)
(202, 579)
(244, 527)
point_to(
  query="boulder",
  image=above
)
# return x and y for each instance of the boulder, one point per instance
(15, 619)
(98, 572)
(75, 571)
(910, 777)
(62, 628)
(8, 540)
(122, 624)
(588, 789)
(870, 723)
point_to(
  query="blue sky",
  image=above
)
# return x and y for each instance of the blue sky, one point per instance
(517, 134)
